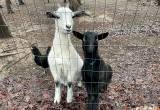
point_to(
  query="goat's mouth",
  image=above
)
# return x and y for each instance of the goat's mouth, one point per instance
(68, 31)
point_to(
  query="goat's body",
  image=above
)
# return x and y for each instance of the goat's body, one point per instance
(95, 73)
(96, 76)
(65, 63)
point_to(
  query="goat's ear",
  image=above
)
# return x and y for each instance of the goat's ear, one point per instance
(78, 35)
(52, 15)
(80, 13)
(102, 36)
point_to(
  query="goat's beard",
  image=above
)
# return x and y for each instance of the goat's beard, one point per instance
(67, 31)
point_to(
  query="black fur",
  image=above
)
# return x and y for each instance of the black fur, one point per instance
(40, 59)
(52, 15)
(1, 6)
(95, 73)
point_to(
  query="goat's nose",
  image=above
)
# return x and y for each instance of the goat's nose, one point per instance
(68, 26)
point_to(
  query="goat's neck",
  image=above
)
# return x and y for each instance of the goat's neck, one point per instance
(62, 38)
(91, 58)
(91, 55)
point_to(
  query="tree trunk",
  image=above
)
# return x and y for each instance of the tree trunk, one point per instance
(74, 4)
(20, 2)
(1, 6)
(4, 31)
(8, 5)
(158, 2)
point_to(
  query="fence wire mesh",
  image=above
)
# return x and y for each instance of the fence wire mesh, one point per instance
(132, 49)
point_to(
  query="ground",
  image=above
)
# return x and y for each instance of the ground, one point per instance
(132, 49)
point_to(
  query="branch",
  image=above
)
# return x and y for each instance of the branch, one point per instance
(8, 66)
(9, 54)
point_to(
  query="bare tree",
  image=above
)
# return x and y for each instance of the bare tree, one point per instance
(4, 31)
(74, 4)
(8, 5)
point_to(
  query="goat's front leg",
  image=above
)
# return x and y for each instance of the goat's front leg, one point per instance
(57, 97)
(92, 102)
(69, 92)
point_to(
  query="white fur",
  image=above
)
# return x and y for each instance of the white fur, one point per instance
(64, 61)
(57, 97)
(69, 95)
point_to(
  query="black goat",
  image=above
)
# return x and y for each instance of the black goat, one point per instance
(41, 60)
(95, 73)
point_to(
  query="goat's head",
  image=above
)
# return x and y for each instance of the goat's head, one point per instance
(64, 18)
(90, 41)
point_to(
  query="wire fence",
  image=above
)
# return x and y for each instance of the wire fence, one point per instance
(131, 48)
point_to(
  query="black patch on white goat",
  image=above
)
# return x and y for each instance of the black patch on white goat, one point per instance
(40, 60)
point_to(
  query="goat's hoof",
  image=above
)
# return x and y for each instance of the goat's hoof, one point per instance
(56, 101)
(79, 84)
(69, 98)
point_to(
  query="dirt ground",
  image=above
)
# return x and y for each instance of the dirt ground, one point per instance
(132, 49)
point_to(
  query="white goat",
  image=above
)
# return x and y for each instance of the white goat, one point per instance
(64, 61)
